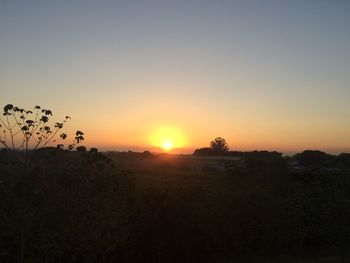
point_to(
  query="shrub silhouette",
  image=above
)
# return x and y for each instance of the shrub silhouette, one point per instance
(23, 128)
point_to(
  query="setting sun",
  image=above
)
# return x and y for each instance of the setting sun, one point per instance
(167, 145)
(167, 138)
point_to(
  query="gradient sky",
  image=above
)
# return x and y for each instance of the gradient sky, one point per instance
(262, 74)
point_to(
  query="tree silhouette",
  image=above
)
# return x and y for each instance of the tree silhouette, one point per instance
(219, 145)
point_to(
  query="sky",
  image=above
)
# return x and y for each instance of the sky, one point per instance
(262, 74)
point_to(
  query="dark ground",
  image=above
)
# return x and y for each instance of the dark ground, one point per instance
(64, 206)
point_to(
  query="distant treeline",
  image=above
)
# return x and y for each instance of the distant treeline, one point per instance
(305, 158)
(207, 151)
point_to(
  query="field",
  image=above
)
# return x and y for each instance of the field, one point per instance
(138, 207)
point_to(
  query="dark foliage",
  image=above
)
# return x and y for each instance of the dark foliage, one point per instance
(264, 159)
(206, 151)
(82, 206)
(313, 158)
